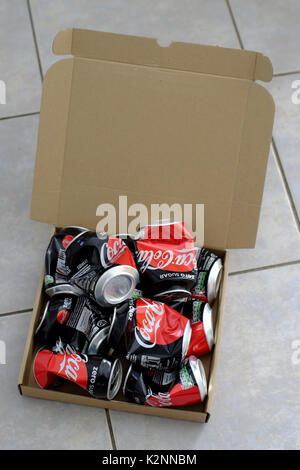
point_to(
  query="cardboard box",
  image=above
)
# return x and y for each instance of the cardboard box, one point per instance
(178, 124)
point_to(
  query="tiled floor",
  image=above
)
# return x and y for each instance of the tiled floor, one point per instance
(257, 400)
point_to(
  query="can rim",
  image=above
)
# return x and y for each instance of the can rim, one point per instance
(208, 325)
(199, 374)
(214, 280)
(43, 317)
(112, 324)
(77, 236)
(184, 292)
(98, 340)
(83, 229)
(186, 339)
(126, 379)
(63, 289)
(115, 271)
(113, 388)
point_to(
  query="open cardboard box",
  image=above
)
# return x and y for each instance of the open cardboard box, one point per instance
(178, 124)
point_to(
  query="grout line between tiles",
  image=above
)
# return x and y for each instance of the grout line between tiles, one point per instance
(35, 39)
(234, 24)
(16, 312)
(285, 183)
(5, 118)
(264, 268)
(111, 432)
(284, 74)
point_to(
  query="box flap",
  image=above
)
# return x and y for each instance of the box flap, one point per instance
(178, 124)
(146, 51)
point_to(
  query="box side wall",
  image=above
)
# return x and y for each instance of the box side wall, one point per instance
(218, 335)
(178, 414)
(27, 356)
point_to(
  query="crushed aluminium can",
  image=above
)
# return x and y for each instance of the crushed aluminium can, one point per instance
(190, 386)
(165, 256)
(101, 267)
(99, 376)
(77, 320)
(150, 334)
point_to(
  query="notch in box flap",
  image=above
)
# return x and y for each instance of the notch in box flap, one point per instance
(146, 51)
(157, 134)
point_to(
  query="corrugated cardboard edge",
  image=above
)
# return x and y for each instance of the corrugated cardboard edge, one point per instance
(146, 51)
(218, 335)
(246, 216)
(30, 334)
(114, 405)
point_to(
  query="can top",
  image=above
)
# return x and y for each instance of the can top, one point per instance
(214, 280)
(115, 379)
(43, 317)
(98, 340)
(186, 339)
(176, 293)
(208, 325)
(110, 280)
(126, 379)
(68, 289)
(199, 374)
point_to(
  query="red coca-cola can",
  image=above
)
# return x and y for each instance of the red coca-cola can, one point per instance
(190, 386)
(99, 376)
(150, 334)
(166, 259)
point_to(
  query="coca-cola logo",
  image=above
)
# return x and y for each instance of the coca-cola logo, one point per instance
(148, 321)
(183, 259)
(157, 323)
(111, 251)
(161, 399)
(71, 363)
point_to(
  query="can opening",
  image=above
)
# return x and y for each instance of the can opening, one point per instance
(116, 285)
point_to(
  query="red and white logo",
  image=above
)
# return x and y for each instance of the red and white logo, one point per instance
(63, 316)
(72, 365)
(161, 399)
(157, 323)
(172, 259)
(169, 247)
(115, 251)
(66, 240)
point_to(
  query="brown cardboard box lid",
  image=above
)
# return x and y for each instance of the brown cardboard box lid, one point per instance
(178, 124)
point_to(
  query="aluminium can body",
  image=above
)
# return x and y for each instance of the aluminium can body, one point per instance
(77, 321)
(166, 259)
(189, 387)
(99, 376)
(150, 334)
